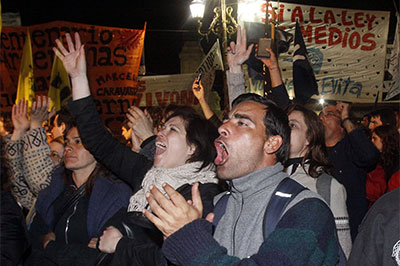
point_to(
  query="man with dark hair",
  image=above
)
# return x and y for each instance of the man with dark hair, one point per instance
(382, 117)
(253, 143)
(61, 123)
(352, 155)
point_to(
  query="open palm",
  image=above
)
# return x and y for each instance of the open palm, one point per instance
(74, 58)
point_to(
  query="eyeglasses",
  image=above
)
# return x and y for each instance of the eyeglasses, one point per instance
(328, 113)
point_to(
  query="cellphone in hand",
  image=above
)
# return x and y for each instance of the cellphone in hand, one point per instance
(264, 43)
(198, 78)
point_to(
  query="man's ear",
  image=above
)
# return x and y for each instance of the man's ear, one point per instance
(63, 127)
(272, 144)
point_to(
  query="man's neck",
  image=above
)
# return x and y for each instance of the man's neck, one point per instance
(334, 139)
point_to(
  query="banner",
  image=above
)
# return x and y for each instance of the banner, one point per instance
(346, 47)
(25, 89)
(113, 58)
(175, 89)
(394, 64)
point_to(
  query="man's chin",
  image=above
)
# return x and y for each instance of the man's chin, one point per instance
(223, 173)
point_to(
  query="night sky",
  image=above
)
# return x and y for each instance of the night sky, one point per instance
(169, 23)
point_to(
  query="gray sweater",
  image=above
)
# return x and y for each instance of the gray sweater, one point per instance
(245, 210)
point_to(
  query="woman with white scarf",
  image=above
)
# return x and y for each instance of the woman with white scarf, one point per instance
(184, 156)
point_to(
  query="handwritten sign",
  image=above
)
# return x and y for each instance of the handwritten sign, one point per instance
(346, 47)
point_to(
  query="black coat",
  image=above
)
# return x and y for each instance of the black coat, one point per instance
(13, 236)
(143, 247)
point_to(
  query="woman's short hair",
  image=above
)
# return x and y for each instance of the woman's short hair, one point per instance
(317, 154)
(199, 132)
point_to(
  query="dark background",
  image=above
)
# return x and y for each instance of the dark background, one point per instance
(169, 23)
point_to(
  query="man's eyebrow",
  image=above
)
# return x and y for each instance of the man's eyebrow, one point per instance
(240, 116)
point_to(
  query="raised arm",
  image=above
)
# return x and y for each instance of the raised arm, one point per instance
(38, 166)
(13, 155)
(198, 91)
(20, 119)
(237, 54)
(126, 164)
(74, 61)
(279, 93)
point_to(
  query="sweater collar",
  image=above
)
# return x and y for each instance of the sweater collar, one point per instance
(258, 180)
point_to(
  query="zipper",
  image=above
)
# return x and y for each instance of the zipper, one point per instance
(67, 223)
(234, 227)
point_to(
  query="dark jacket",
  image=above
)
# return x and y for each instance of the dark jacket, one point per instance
(352, 158)
(13, 236)
(378, 241)
(142, 248)
(84, 221)
(142, 241)
(126, 164)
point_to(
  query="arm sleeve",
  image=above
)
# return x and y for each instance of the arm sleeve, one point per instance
(71, 254)
(14, 161)
(122, 161)
(280, 96)
(38, 166)
(236, 85)
(362, 151)
(339, 210)
(299, 239)
(128, 252)
(148, 148)
(215, 121)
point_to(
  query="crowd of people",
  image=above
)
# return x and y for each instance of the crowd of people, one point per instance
(272, 183)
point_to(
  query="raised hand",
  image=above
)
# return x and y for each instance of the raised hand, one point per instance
(271, 62)
(140, 122)
(170, 215)
(343, 109)
(237, 53)
(75, 63)
(19, 119)
(109, 239)
(39, 111)
(74, 58)
(198, 90)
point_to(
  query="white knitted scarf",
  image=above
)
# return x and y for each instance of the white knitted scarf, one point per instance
(175, 177)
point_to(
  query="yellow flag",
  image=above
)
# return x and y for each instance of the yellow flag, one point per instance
(26, 81)
(60, 86)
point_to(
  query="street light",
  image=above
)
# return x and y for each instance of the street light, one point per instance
(223, 19)
(223, 25)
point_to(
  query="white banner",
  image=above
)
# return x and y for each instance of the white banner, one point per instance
(394, 64)
(213, 60)
(166, 89)
(346, 47)
(177, 89)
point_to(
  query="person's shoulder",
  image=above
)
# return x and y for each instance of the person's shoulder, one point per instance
(388, 203)
(115, 184)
